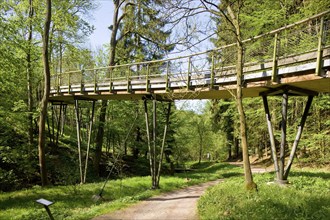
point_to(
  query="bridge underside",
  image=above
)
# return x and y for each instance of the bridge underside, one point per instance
(304, 81)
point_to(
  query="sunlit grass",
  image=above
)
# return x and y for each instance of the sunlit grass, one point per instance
(76, 202)
(306, 197)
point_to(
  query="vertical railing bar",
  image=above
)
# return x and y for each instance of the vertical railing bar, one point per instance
(69, 82)
(58, 83)
(82, 81)
(95, 80)
(212, 71)
(275, 60)
(188, 74)
(147, 78)
(111, 69)
(128, 78)
(167, 75)
(318, 70)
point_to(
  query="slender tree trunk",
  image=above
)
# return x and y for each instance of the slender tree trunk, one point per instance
(29, 79)
(100, 131)
(200, 149)
(237, 153)
(44, 101)
(283, 135)
(229, 144)
(99, 137)
(239, 101)
(163, 144)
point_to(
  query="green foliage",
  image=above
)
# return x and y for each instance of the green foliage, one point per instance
(306, 197)
(144, 34)
(75, 202)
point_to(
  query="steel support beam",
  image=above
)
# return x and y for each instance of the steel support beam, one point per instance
(163, 142)
(281, 170)
(271, 135)
(154, 126)
(58, 124)
(148, 136)
(91, 120)
(298, 136)
(283, 134)
(76, 105)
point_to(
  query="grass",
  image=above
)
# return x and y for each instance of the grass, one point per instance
(306, 197)
(75, 202)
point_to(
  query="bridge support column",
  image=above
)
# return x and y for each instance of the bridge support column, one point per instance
(57, 120)
(282, 171)
(154, 151)
(83, 170)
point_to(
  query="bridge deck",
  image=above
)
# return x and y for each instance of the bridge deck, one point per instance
(297, 71)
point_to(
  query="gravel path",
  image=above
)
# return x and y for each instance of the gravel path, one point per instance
(178, 205)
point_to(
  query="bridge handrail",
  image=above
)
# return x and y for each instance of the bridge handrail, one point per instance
(192, 59)
(215, 49)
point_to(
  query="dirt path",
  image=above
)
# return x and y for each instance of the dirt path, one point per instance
(180, 204)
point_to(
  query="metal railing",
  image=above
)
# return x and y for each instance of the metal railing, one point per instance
(204, 68)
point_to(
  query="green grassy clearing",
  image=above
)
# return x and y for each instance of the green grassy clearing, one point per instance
(306, 197)
(75, 202)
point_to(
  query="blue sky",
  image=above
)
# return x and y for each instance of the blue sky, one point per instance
(102, 19)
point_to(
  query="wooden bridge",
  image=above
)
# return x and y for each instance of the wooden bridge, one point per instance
(292, 60)
(297, 55)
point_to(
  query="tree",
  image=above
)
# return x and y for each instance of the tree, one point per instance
(44, 101)
(233, 10)
(116, 20)
(223, 119)
(29, 75)
(136, 35)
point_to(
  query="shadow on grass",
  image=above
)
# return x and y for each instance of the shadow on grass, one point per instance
(173, 198)
(69, 198)
(232, 174)
(322, 175)
(218, 170)
(308, 207)
(79, 199)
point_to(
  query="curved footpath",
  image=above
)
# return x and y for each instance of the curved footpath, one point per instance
(177, 205)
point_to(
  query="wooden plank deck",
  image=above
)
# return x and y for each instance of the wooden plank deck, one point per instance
(298, 71)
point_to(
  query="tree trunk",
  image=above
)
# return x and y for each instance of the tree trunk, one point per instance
(99, 137)
(229, 144)
(283, 136)
(239, 101)
(100, 131)
(29, 79)
(163, 144)
(200, 149)
(44, 101)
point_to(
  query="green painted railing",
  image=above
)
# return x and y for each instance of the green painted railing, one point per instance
(205, 68)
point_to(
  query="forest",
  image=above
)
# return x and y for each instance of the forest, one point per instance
(40, 38)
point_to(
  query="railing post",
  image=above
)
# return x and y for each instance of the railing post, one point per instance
(110, 77)
(58, 80)
(147, 78)
(275, 60)
(69, 83)
(95, 80)
(82, 81)
(318, 70)
(128, 78)
(167, 75)
(189, 73)
(212, 72)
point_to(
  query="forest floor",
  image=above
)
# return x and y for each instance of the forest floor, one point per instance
(179, 204)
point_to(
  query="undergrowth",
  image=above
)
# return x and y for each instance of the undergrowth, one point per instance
(75, 201)
(306, 197)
